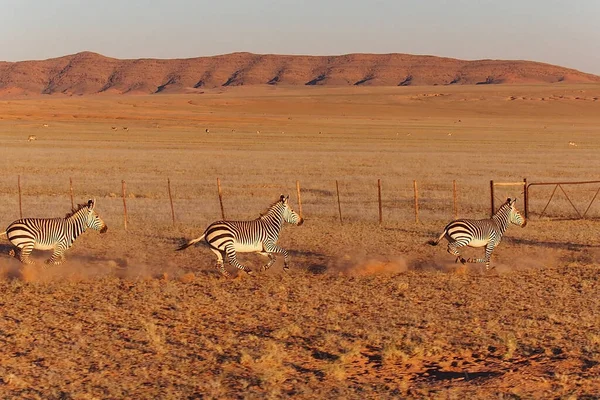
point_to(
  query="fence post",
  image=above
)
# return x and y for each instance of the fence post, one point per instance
(171, 201)
(454, 198)
(337, 189)
(379, 198)
(492, 198)
(220, 198)
(124, 204)
(416, 201)
(525, 198)
(299, 198)
(20, 204)
(71, 193)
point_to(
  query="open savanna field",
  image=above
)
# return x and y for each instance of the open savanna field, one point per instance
(366, 311)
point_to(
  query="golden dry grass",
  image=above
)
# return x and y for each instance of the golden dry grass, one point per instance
(366, 311)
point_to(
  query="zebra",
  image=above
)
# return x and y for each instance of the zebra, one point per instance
(226, 238)
(480, 233)
(56, 234)
(31, 138)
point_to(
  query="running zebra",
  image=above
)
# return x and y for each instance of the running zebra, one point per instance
(56, 234)
(226, 238)
(479, 233)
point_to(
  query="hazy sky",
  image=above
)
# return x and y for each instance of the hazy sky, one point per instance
(559, 32)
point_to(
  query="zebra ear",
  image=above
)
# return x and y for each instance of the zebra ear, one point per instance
(282, 198)
(91, 204)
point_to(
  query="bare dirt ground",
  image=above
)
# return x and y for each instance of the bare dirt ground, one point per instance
(367, 311)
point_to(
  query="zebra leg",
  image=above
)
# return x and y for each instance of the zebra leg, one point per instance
(57, 256)
(220, 265)
(24, 254)
(232, 258)
(273, 248)
(453, 249)
(488, 255)
(271, 260)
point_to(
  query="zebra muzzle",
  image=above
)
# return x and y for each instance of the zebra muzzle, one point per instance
(301, 221)
(104, 229)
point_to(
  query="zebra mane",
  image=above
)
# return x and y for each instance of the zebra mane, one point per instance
(270, 208)
(78, 208)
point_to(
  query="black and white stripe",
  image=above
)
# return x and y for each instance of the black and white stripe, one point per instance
(226, 238)
(480, 233)
(56, 234)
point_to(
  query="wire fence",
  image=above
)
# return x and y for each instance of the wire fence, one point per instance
(343, 202)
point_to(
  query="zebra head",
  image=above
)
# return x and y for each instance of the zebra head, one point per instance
(289, 215)
(93, 220)
(515, 216)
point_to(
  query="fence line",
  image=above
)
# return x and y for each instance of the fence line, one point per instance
(71, 193)
(20, 203)
(220, 198)
(171, 201)
(379, 199)
(454, 202)
(455, 205)
(337, 189)
(299, 198)
(124, 204)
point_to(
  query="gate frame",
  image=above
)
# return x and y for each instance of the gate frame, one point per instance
(557, 185)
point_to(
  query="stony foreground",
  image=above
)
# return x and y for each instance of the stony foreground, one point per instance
(366, 334)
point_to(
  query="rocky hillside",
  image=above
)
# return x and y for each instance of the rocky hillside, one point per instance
(88, 73)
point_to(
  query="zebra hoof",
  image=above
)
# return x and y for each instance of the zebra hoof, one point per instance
(249, 271)
(264, 268)
(463, 261)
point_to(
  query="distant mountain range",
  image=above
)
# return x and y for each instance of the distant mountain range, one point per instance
(90, 73)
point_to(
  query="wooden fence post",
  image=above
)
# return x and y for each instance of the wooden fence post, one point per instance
(454, 197)
(220, 198)
(171, 201)
(337, 189)
(20, 204)
(492, 198)
(71, 193)
(416, 201)
(299, 198)
(379, 199)
(124, 204)
(525, 198)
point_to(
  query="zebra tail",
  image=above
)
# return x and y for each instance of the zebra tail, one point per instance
(191, 242)
(435, 242)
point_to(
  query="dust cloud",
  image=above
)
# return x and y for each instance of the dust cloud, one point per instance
(75, 269)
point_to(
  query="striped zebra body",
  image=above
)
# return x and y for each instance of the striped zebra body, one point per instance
(480, 233)
(56, 234)
(227, 238)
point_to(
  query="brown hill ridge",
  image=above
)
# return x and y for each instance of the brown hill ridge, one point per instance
(88, 73)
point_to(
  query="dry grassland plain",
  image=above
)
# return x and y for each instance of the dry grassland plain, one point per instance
(366, 311)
